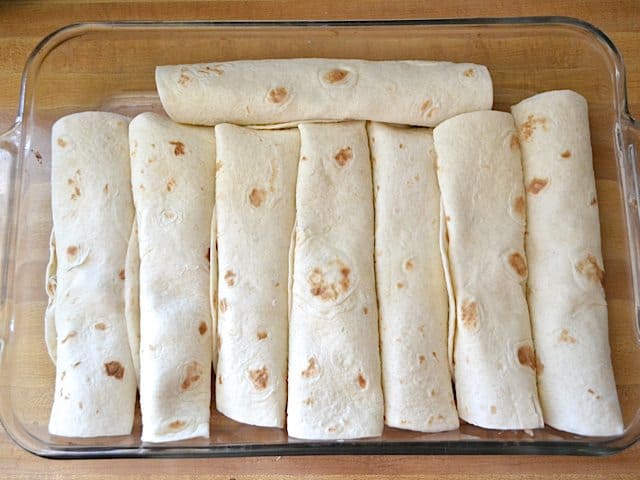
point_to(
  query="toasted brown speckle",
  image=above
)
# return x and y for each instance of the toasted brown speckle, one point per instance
(519, 206)
(207, 255)
(518, 263)
(592, 392)
(277, 95)
(421, 359)
(365, 310)
(218, 343)
(80, 405)
(171, 184)
(426, 105)
(312, 369)
(336, 75)
(76, 364)
(566, 154)
(61, 142)
(590, 269)
(526, 357)
(105, 189)
(514, 143)
(400, 285)
(528, 128)
(408, 265)
(433, 354)
(121, 275)
(320, 286)
(114, 369)
(177, 425)
(469, 314)
(178, 147)
(343, 156)
(308, 401)
(401, 146)
(493, 409)
(564, 337)
(261, 335)
(184, 79)
(72, 250)
(257, 196)
(222, 305)
(469, 72)
(100, 326)
(219, 379)
(202, 328)
(362, 382)
(259, 377)
(230, 278)
(593, 202)
(192, 373)
(71, 334)
(537, 185)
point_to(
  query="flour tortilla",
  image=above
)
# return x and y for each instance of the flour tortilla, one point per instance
(173, 168)
(132, 298)
(412, 295)
(334, 364)
(93, 212)
(279, 91)
(565, 293)
(480, 177)
(255, 205)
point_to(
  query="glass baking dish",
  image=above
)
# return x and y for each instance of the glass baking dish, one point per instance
(110, 66)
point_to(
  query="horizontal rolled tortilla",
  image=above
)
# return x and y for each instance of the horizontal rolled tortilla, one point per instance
(250, 92)
(255, 212)
(565, 292)
(334, 364)
(92, 209)
(480, 177)
(412, 295)
(172, 176)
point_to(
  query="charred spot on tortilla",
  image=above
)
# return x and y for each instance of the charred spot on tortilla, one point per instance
(518, 263)
(71, 334)
(202, 328)
(257, 196)
(592, 392)
(230, 278)
(566, 154)
(312, 369)
(526, 357)
(527, 128)
(593, 202)
(114, 369)
(100, 326)
(192, 373)
(259, 377)
(537, 185)
(178, 147)
(564, 337)
(469, 310)
(362, 382)
(207, 255)
(401, 146)
(121, 275)
(262, 335)
(337, 75)
(343, 156)
(277, 95)
(590, 269)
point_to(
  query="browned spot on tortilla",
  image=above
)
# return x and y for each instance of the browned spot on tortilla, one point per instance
(169, 214)
(432, 112)
(365, 310)
(469, 72)
(121, 275)
(469, 314)
(178, 147)
(447, 218)
(192, 373)
(76, 364)
(259, 377)
(565, 337)
(539, 366)
(105, 189)
(61, 142)
(566, 154)
(71, 334)
(72, 250)
(593, 202)
(589, 268)
(518, 263)
(493, 409)
(403, 421)
(202, 328)
(526, 357)
(80, 405)
(332, 429)
(222, 305)
(308, 401)
(230, 278)
(421, 359)
(277, 284)
(100, 326)
(38, 156)
(184, 79)
(218, 166)
(401, 146)
(321, 287)
(312, 369)
(433, 354)
(536, 185)
(362, 382)
(177, 424)
(216, 69)
(219, 379)
(208, 255)
(519, 206)
(219, 342)
(343, 156)
(114, 369)
(257, 196)
(171, 184)
(277, 95)
(408, 265)
(592, 392)
(262, 335)
(141, 187)
(421, 328)
(426, 105)
(436, 418)
(527, 128)
(515, 142)
(400, 285)
(336, 75)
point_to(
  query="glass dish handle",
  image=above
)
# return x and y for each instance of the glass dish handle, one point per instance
(9, 148)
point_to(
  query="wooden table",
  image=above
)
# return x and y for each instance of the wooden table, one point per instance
(23, 24)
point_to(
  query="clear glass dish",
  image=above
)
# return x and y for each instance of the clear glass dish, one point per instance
(110, 66)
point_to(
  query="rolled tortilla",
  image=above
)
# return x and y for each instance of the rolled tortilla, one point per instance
(565, 293)
(480, 177)
(92, 210)
(412, 295)
(334, 364)
(278, 91)
(255, 209)
(172, 172)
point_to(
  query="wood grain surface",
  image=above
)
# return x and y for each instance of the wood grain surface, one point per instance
(23, 24)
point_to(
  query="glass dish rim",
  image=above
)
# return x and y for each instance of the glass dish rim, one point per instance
(370, 447)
